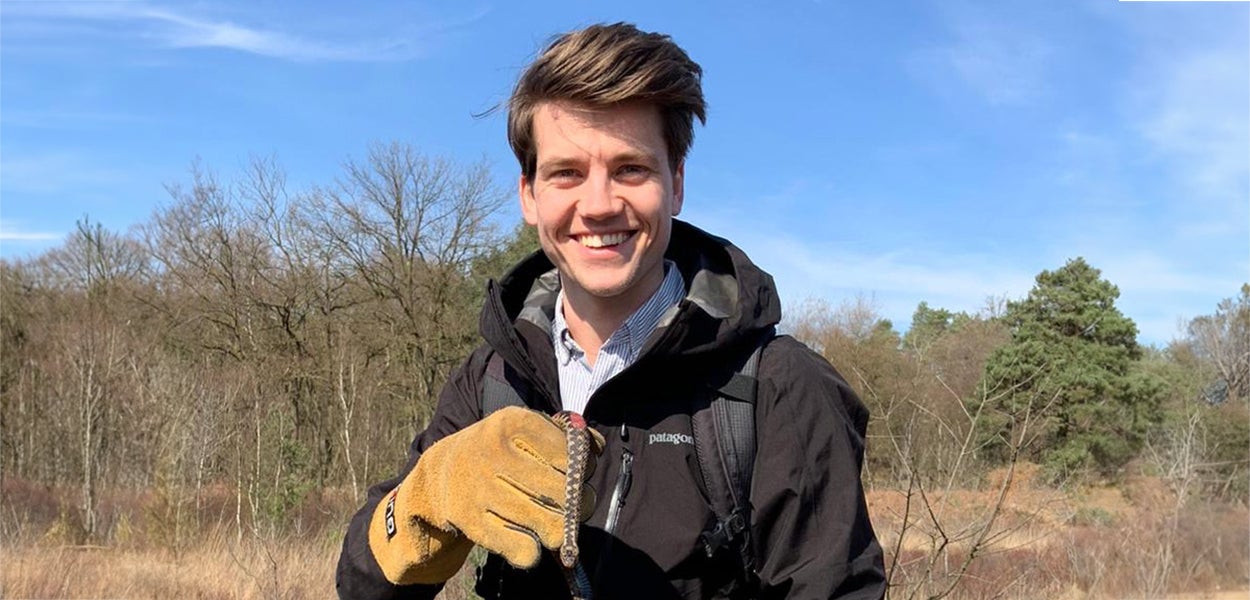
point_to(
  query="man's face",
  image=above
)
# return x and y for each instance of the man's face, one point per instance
(603, 198)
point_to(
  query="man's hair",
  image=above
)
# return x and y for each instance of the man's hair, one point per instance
(605, 65)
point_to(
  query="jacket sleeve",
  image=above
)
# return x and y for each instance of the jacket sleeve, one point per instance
(813, 537)
(358, 575)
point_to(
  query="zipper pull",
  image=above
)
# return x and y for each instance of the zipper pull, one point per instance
(627, 472)
(619, 491)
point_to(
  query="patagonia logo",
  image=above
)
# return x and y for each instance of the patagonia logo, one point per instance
(669, 438)
(390, 515)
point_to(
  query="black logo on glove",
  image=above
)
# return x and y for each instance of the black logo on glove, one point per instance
(390, 515)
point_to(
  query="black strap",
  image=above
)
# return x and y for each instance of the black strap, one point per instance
(734, 410)
(724, 439)
(497, 391)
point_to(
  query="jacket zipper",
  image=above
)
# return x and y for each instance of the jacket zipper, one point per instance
(619, 491)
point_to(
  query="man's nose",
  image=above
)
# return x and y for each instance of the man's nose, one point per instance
(599, 199)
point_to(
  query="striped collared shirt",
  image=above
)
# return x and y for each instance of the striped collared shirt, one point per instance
(578, 380)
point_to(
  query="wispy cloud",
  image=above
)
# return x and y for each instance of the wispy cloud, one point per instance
(807, 266)
(1146, 272)
(1155, 291)
(18, 240)
(967, 279)
(18, 231)
(897, 282)
(999, 59)
(1196, 118)
(12, 235)
(171, 28)
(58, 172)
(185, 32)
(1158, 289)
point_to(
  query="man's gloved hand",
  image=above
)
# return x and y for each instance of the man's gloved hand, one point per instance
(499, 483)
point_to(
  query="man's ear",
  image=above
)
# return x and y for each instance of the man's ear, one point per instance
(679, 187)
(525, 190)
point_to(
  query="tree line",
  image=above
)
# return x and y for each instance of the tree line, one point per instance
(248, 334)
(1056, 378)
(276, 341)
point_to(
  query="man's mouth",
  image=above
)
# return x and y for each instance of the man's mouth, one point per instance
(592, 240)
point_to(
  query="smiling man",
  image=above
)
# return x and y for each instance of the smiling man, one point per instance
(728, 457)
(603, 196)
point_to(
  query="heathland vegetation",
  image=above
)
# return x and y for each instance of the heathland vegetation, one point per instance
(194, 407)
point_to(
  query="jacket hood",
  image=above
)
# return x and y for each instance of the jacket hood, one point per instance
(729, 301)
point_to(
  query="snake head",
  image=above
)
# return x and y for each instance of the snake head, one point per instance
(569, 420)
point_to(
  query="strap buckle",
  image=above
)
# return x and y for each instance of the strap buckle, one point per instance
(725, 531)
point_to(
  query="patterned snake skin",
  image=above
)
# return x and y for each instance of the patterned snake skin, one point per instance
(579, 453)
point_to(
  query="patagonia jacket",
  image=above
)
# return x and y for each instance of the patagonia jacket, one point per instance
(810, 529)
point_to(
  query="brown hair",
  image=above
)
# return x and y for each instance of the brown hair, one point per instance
(603, 65)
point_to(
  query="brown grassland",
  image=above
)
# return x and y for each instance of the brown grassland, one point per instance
(1122, 542)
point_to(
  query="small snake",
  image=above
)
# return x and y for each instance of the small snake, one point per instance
(578, 437)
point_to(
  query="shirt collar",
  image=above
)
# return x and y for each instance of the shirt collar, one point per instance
(636, 328)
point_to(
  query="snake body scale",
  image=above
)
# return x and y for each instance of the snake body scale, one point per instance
(578, 438)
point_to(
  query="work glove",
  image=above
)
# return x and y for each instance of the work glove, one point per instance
(499, 483)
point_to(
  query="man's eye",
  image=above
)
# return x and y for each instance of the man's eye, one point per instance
(562, 174)
(633, 171)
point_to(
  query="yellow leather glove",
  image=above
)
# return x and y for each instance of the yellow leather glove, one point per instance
(499, 483)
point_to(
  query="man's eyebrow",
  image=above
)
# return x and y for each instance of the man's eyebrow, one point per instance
(637, 157)
(628, 156)
(559, 162)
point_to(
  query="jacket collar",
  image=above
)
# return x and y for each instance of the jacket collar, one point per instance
(729, 303)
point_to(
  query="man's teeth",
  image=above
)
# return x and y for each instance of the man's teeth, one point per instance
(599, 241)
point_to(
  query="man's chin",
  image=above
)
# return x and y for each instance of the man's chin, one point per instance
(607, 292)
(605, 288)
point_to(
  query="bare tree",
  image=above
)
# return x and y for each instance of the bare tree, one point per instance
(209, 260)
(93, 269)
(94, 260)
(410, 227)
(89, 357)
(1223, 341)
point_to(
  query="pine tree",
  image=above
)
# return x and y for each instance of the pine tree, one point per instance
(1070, 373)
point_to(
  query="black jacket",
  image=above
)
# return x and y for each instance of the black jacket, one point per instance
(810, 526)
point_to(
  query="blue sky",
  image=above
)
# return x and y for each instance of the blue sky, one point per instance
(901, 151)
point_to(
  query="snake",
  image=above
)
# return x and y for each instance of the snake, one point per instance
(578, 438)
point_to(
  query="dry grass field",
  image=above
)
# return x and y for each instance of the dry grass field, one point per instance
(1120, 542)
(1130, 541)
(213, 569)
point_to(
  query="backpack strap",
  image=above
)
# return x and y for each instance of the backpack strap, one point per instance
(724, 440)
(498, 388)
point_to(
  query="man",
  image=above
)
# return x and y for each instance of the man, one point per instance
(627, 317)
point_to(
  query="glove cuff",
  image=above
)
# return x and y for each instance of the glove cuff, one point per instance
(407, 548)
